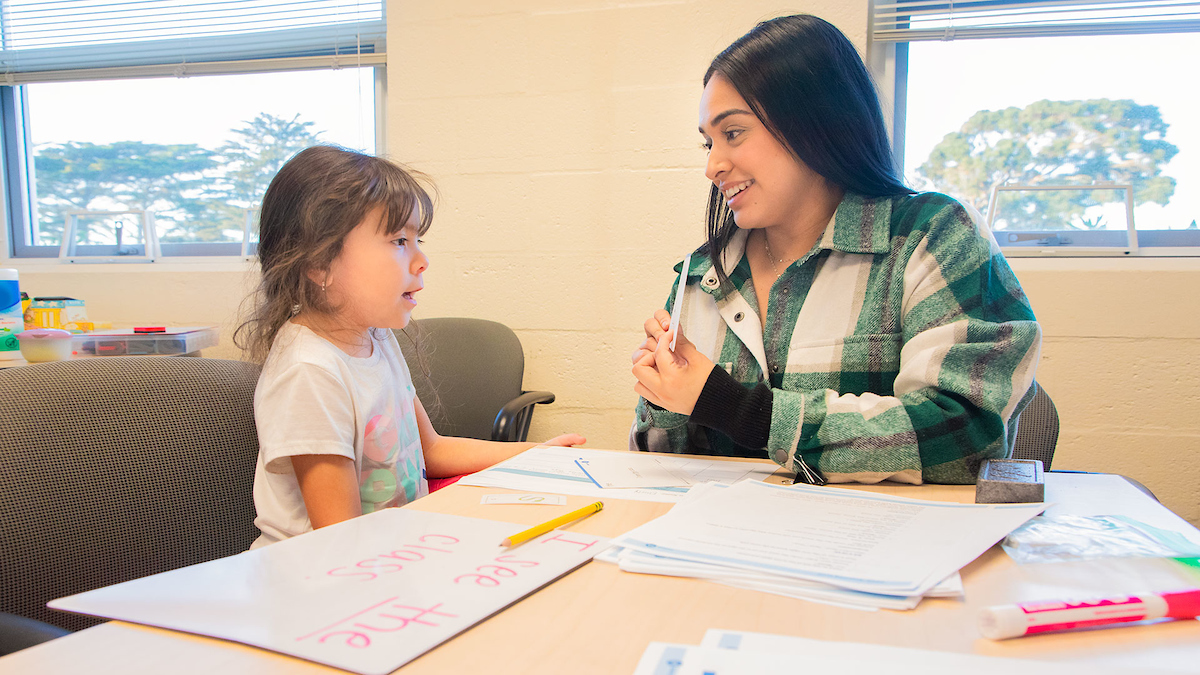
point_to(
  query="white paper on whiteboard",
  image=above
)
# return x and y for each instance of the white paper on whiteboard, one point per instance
(367, 595)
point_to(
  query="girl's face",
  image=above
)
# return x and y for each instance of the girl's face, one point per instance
(375, 279)
(762, 182)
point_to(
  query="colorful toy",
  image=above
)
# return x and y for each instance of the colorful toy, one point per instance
(58, 312)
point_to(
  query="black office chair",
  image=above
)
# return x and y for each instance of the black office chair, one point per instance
(1037, 434)
(117, 468)
(1037, 431)
(475, 372)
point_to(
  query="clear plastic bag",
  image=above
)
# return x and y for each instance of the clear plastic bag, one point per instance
(1062, 538)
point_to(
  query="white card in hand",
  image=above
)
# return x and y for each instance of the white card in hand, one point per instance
(549, 500)
(677, 308)
(632, 470)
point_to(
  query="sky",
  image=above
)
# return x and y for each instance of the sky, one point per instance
(340, 103)
(950, 81)
(182, 110)
(947, 83)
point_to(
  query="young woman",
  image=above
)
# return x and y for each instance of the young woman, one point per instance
(834, 321)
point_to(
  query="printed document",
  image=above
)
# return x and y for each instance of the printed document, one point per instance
(854, 540)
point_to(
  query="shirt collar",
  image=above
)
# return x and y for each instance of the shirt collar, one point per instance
(860, 225)
(702, 271)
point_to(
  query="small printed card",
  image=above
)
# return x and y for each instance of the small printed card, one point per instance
(550, 500)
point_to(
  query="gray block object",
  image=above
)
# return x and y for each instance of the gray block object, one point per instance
(1010, 481)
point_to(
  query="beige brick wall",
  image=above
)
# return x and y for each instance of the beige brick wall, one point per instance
(562, 136)
(1121, 359)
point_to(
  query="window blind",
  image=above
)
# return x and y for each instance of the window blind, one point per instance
(918, 20)
(50, 40)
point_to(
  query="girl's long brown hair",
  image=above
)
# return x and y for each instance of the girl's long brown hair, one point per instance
(315, 200)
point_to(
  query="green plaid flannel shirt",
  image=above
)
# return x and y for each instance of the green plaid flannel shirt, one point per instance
(900, 347)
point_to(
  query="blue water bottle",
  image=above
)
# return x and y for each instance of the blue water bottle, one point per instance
(12, 319)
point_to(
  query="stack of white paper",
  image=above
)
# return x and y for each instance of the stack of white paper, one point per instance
(842, 547)
(726, 652)
(641, 476)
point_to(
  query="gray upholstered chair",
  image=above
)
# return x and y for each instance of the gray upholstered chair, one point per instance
(475, 371)
(117, 468)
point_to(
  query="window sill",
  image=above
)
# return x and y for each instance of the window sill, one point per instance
(1105, 264)
(168, 265)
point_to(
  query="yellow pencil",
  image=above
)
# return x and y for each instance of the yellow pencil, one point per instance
(545, 527)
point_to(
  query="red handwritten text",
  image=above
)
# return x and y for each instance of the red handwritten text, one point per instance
(564, 538)
(386, 617)
(395, 560)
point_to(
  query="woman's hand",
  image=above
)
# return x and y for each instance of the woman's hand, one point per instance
(669, 380)
(566, 440)
(654, 327)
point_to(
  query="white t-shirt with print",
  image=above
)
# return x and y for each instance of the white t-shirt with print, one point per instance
(314, 399)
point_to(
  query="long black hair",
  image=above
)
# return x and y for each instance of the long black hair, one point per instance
(804, 80)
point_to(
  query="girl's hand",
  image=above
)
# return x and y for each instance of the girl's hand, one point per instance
(671, 380)
(566, 440)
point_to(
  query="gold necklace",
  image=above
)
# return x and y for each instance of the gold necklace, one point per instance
(770, 256)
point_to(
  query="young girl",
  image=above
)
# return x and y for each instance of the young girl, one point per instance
(341, 431)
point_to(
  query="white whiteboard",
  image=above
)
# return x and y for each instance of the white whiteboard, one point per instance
(367, 595)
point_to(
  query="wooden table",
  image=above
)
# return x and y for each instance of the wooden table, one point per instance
(599, 619)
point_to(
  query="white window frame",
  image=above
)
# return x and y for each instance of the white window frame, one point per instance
(888, 63)
(16, 161)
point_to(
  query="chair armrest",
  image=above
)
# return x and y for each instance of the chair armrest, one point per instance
(18, 632)
(512, 422)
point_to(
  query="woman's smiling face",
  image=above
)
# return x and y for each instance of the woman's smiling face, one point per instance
(763, 183)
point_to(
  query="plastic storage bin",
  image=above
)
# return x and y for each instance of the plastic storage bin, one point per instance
(45, 344)
(124, 342)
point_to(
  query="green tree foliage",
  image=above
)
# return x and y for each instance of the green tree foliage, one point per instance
(1055, 143)
(258, 148)
(119, 176)
(252, 158)
(196, 194)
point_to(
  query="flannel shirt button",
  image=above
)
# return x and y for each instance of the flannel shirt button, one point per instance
(710, 281)
(739, 316)
(784, 290)
(781, 455)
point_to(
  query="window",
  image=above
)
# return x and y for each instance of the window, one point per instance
(1019, 107)
(140, 107)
